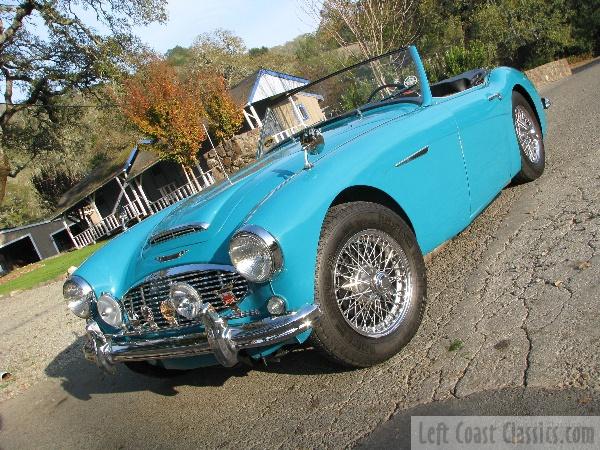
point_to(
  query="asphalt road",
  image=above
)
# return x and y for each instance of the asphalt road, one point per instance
(517, 293)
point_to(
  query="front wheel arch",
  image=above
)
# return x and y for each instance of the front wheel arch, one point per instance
(364, 193)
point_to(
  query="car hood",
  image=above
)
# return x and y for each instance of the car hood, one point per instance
(223, 207)
(246, 188)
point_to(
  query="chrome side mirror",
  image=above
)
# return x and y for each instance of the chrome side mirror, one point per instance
(546, 103)
(312, 142)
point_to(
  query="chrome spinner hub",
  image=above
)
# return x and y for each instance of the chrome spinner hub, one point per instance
(382, 285)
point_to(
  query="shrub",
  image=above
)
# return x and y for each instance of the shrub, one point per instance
(459, 59)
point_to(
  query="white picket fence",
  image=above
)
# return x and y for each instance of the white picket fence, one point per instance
(138, 209)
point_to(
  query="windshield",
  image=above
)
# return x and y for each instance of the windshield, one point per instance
(378, 81)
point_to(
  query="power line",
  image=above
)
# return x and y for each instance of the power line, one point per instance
(60, 106)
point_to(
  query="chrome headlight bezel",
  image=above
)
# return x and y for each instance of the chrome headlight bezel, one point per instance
(79, 296)
(266, 244)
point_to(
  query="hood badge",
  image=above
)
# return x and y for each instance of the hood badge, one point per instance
(229, 298)
(171, 257)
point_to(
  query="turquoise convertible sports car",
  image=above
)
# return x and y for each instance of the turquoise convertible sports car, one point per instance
(322, 237)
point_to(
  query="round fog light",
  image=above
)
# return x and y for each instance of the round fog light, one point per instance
(186, 300)
(276, 306)
(109, 310)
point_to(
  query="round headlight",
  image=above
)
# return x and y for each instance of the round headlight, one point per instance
(79, 295)
(255, 254)
(110, 310)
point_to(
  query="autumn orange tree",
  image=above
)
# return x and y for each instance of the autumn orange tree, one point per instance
(175, 108)
(224, 117)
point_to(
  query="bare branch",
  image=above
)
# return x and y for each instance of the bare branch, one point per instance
(25, 9)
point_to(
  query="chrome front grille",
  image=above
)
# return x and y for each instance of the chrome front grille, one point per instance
(143, 302)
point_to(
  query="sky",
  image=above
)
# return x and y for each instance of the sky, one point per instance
(257, 22)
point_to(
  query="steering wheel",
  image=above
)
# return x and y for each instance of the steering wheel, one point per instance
(401, 88)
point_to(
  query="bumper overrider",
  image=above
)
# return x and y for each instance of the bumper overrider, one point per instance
(219, 339)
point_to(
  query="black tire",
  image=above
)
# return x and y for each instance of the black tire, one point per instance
(153, 371)
(530, 169)
(332, 334)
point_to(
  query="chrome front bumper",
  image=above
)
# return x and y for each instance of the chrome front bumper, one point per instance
(219, 339)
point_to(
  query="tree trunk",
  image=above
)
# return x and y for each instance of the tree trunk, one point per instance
(4, 171)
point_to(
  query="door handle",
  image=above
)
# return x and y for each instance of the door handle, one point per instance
(495, 96)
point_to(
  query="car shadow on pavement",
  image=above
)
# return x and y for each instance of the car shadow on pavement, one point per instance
(82, 379)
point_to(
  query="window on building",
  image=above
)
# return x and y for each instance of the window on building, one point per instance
(303, 111)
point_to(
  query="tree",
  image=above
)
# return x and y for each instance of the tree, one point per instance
(224, 117)
(175, 108)
(258, 51)
(223, 52)
(526, 33)
(51, 182)
(586, 25)
(47, 51)
(178, 56)
(376, 26)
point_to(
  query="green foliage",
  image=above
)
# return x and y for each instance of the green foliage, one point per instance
(223, 52)
(46, 53)
(440, 30)
(51, 182)
(178, 56)
(257, 51)
(82, 139)
(585, 15)
(456, 345)
(526, 32)
(459, 59)
(355, 94)
(21, 205)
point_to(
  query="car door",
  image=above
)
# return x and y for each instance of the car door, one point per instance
(428, 177)
(483, 126)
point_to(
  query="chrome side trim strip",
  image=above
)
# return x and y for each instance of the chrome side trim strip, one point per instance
(412, 157)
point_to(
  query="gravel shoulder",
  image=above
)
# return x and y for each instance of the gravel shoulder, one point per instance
(512, 317)
(35, 327)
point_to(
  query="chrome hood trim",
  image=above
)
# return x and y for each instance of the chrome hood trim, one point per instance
(178, 270)
(175, 232)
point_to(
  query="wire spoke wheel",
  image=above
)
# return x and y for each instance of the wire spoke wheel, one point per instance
(527, 134)
(372, 283)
